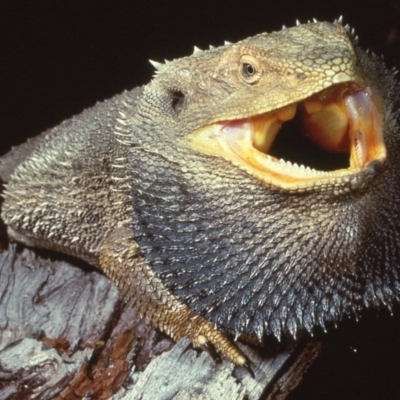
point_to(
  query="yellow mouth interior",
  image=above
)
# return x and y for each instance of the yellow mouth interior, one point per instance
(332, 134)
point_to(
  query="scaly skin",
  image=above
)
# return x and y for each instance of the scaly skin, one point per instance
(161, 189)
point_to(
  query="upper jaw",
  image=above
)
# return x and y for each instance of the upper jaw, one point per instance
(342, 121)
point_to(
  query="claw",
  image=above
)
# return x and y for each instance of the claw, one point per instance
(247, 367)
(210, 349)
(189, 347)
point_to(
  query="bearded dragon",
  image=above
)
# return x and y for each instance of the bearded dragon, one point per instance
(251, 189)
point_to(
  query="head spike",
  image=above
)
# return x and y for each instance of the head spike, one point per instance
(226, 43)
(196, 50)
(283, 27)
(340, 20)
(212, 47)
(158, 66)
(298, 22)
(315, 20)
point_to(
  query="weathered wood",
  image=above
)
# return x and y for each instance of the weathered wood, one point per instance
(65, 332)
(184, 374)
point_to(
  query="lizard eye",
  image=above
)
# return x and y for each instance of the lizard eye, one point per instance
(249, 69)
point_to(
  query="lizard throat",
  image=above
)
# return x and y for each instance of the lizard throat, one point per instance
(330, 138)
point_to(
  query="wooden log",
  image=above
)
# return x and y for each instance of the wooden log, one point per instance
(66, 333)
(65, 330)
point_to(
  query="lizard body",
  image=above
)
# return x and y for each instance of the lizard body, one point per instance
(187, 192)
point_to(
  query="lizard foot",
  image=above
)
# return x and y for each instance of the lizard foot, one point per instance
(206, 336)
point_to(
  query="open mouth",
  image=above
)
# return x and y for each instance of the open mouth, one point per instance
(333, 134)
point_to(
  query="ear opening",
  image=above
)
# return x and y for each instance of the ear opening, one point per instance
(178, 101)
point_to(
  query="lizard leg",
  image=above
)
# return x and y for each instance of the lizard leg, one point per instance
(123, 264)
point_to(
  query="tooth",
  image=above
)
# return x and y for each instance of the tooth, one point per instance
(361, 148)
(287, 113)
(272, 159)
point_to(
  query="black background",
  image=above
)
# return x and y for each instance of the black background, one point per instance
(59, 57)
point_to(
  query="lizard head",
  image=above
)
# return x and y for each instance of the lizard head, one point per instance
(292, 108)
